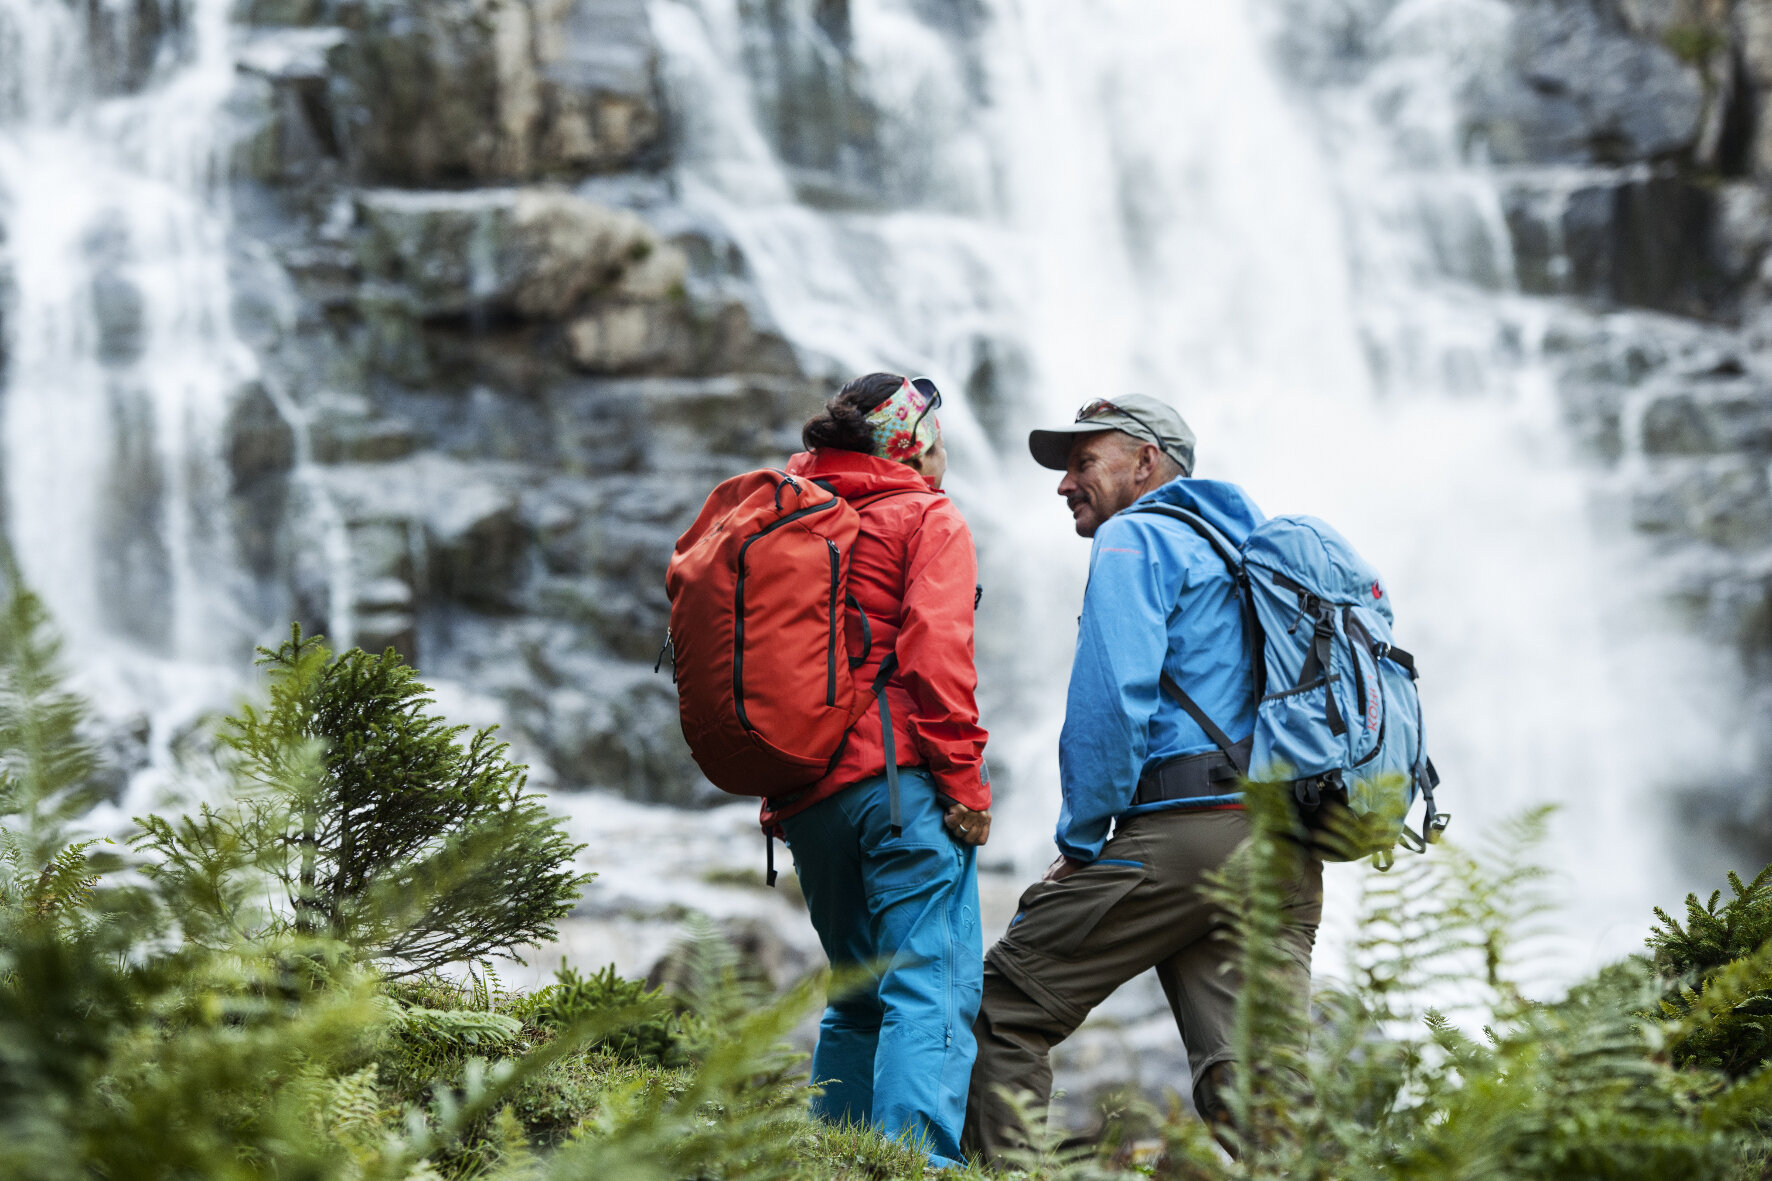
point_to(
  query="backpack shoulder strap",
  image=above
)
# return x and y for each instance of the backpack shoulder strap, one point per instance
(1252, 633)
(1213, 731)
(1227, 553)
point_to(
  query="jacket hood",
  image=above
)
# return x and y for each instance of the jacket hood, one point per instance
(1226, 506)
(852, 473)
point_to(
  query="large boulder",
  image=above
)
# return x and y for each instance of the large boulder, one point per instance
(1646, 243)
(131, 43)
(532, 252)
(456, 528)
(1626, 239)
(1715, 419)
(447, 91)
(1722, 500)
(608, 724)
(282, 106)
(1581, 87)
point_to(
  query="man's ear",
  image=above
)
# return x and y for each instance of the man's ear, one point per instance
(1148, 459)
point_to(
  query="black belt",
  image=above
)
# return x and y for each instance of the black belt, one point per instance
(1192, 776)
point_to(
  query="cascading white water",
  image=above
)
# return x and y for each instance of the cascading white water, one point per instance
(120, 356)
(1124, 195)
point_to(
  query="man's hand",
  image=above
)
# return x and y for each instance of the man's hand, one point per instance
(1063, 868)
(974, 828)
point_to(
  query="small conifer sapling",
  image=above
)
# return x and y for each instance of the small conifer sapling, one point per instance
(398, 839)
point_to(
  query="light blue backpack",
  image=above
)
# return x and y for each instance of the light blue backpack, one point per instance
(1337, 713)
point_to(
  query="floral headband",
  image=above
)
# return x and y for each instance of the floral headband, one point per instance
(903, 425)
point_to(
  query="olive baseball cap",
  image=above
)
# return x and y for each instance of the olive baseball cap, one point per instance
(1145, 419)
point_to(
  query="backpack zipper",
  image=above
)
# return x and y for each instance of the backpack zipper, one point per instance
(830, 675)
(738, 603)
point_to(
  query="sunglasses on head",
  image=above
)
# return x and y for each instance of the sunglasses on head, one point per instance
(932, 396)
(1101, 406)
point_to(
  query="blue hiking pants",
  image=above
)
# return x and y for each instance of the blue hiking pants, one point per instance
(896, 1052)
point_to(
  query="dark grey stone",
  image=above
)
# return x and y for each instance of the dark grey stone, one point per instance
(450, 91)
(1731, 416)
(479, 548)
(362, 440)
(1580, 88)
(1645, 243)
(259, 442)
(608, 724)
(1723, 501)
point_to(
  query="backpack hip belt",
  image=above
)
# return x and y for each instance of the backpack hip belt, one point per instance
(1203, 776)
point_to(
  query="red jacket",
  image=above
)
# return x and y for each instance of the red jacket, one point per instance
(914, 572)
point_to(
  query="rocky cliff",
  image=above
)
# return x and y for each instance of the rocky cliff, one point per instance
(499, 364)
(1633, 140)
(511, 370)
(1630, 145)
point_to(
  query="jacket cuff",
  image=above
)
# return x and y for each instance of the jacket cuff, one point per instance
(966, 785)
(1076, 852)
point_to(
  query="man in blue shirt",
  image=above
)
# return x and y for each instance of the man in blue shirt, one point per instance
(1162, 679)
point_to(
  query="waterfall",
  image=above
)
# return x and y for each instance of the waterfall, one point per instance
(1039, 204)
(121, 363)
(1036, 204)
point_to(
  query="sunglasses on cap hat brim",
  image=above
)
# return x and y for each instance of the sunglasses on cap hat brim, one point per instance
(1100, 406)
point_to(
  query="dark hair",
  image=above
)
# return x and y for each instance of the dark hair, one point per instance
(844, 422)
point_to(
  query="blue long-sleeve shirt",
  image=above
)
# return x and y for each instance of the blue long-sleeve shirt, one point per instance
(1159, 598)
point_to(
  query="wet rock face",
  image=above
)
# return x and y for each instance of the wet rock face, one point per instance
(1582, 87)
(1679, 416)
(129, 41)
(531, 253)
(507, 377)
(476, 91)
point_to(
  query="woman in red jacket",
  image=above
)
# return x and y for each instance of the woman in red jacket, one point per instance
(897, 1052)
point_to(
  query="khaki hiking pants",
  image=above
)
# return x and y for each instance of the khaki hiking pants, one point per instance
(1074, 941)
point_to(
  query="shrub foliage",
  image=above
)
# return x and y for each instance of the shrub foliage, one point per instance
(254, 992)
(386, 833)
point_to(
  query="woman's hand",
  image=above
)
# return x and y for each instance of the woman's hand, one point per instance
(974, 828)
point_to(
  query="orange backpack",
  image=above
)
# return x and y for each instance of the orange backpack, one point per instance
(758, 637)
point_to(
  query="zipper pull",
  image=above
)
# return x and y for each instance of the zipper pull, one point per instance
(667, 646)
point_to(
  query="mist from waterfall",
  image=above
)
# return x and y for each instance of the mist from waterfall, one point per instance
(1068, 201)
